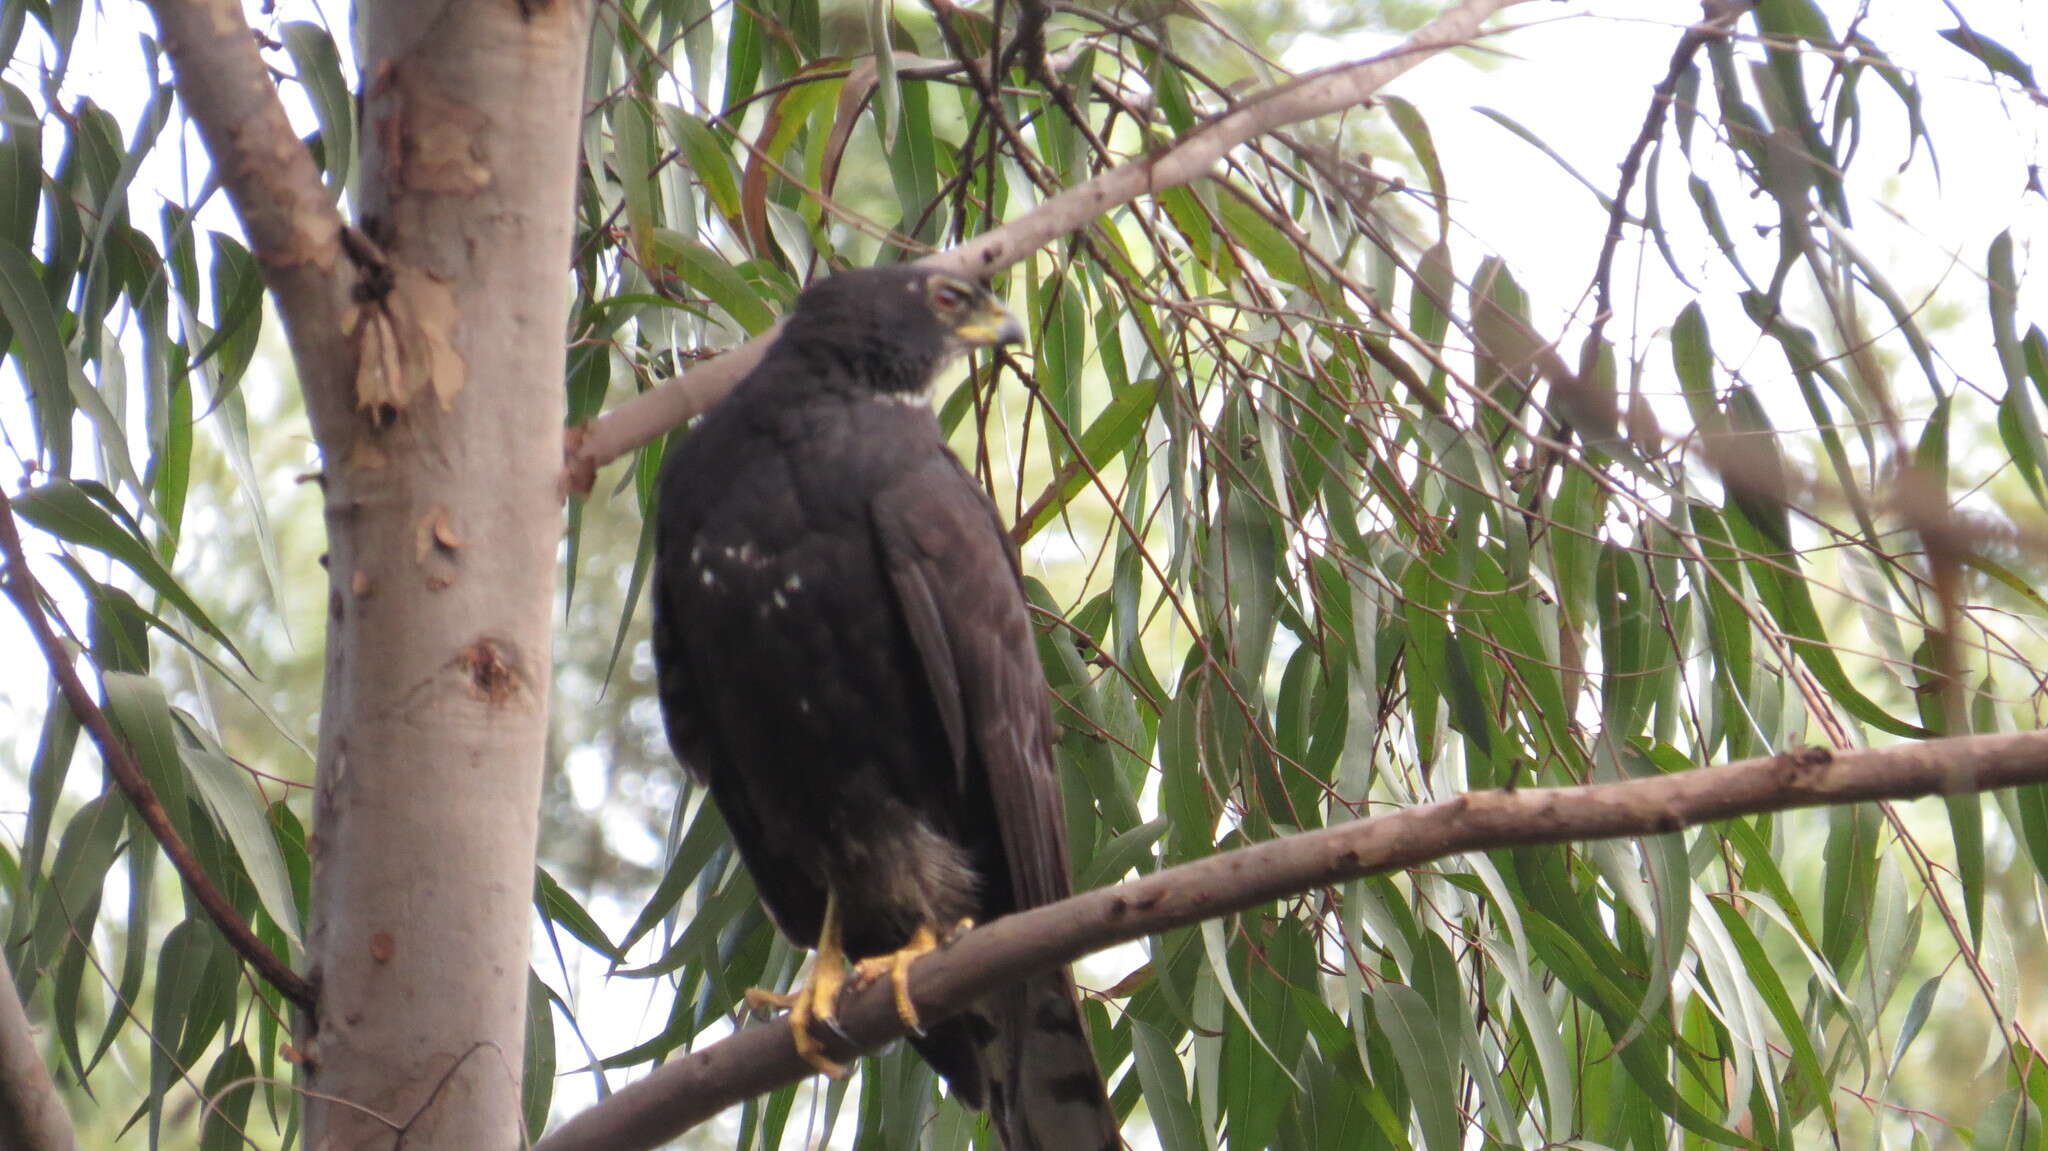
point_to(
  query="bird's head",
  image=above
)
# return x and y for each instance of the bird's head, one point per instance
(900, 323)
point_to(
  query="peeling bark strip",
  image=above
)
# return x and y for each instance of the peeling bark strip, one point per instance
(404, 342)
(687, 1091)
(639, 420)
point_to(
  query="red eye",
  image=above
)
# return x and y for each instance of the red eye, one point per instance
(948, 296)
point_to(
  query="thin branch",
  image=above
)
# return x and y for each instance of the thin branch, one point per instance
(1719, 18)
(289, 217)
(639, 420)
(20, 586)
(758, 1059)
(32, 1116)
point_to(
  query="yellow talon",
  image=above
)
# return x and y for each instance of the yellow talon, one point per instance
(817, 1000)
(923, 942)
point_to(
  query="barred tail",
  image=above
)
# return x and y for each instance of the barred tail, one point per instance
(1045, 1092)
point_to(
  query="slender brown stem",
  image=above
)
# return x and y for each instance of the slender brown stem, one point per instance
(20, 586)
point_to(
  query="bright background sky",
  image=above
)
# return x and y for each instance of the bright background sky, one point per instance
(1578, 76)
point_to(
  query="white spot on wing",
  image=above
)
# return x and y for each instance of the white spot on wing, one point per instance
(696, 553)
(709, 577)
(780, 602)
(795, 582)
(921, 398)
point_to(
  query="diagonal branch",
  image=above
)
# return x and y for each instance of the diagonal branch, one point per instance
(32, 1116)
(697, 1086)
(20, 586)
(639, 420)
(288, 216)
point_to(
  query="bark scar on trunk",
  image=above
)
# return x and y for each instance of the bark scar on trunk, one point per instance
(491, 677)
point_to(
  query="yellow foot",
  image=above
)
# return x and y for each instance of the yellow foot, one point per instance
(814, 1002)
(897, 965)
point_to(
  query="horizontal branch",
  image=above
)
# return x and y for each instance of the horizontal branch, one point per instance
(639, 420)
(20, 586)
(693, 1088)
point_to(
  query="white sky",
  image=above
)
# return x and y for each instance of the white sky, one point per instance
(1580, 81)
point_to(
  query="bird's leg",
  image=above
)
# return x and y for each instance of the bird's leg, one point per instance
(923, 942)
(817, 1000)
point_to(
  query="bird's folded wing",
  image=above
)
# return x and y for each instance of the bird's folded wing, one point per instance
(956, 580)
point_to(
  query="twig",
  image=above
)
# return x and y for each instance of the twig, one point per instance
(758, 1059)
(32, 1116)
(20, 586)
(639, 420)
(1719, 16)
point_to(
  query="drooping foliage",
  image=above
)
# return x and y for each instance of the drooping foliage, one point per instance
(1329, 503)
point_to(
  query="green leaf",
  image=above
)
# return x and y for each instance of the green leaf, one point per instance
(1999, 59)
(319, 68)
(1849, 883)
(1763, 976)
(707, 272)
(238, 312)
(61, 508)
(1916, 1018)
(85, 850)
(1130, 849)
(2032, 802)
(241, 813)
(230, 1086)
(1415, 130)
(1427, 1066)
(537, 1077)
(635, 155)
(1166, 1091)
(170, 471)
(1692, 356)
(140, 713)
(556, 905)
(1429, 306)
(190, 1005)
(707, 833)
(1533, 140)
(1113, 429)
(41, 359)
(21, 170)
(1183, 788)
(2004, 289)
(1276, 251)
(710, 161)
(54, 749)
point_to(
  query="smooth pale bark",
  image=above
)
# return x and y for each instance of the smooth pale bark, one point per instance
(443, 517)
(32, 1117)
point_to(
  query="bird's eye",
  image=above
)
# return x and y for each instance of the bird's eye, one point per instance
(948, 296)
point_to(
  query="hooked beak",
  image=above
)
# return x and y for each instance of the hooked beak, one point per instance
(990, 326)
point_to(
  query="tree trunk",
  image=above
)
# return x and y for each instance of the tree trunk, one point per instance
(443, 516)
